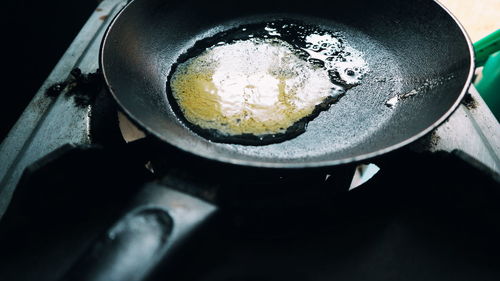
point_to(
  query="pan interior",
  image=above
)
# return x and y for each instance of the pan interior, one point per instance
(349, 121)
(405, 49)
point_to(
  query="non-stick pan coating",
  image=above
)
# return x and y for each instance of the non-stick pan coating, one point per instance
(409, 45)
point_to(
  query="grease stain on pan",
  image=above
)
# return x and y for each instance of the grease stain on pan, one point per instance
(425, 86)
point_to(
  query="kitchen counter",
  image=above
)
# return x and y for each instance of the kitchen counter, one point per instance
(479, 17)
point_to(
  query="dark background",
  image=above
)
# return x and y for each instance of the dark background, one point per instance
(38, 34)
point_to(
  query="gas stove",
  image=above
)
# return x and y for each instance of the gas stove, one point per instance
(72, 165)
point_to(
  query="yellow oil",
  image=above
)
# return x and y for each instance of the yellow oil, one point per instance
(254, 86)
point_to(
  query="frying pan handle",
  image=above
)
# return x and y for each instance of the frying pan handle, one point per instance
(158, 221)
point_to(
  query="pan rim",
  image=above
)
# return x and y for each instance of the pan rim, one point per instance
(293, 165)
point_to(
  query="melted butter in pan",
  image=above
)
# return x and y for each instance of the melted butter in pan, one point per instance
(255, 86)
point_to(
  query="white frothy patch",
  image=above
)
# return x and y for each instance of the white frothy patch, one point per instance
(272, 31)
(256, 86)
(336, 56)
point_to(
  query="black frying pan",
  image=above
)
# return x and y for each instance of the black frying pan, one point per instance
(409, 45)
(413, 47)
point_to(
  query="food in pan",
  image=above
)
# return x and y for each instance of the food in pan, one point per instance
(254, 87)
(263, 87)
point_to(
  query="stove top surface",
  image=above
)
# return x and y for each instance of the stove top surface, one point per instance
(440, 223)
